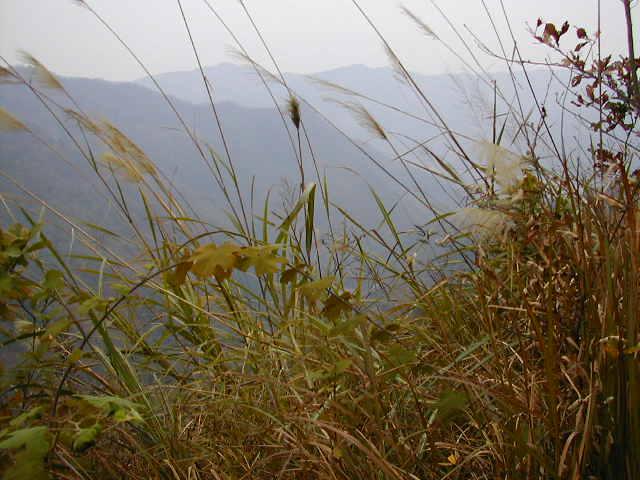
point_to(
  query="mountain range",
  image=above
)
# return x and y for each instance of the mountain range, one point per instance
(338, 134)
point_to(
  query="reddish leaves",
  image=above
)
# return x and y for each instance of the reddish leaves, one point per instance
(550, 31)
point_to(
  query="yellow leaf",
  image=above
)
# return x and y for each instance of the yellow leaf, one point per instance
(335, 305)
(215, 260)
(312, 291)
(179, 275)
(263, 259)
(290, 275)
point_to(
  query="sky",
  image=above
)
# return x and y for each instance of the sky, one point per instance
(305, 36)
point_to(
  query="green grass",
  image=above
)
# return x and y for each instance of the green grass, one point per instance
(260, 352)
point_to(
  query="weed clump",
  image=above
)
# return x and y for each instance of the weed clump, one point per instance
(264, 351)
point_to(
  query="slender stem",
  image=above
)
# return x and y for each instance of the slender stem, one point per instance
(633, 83)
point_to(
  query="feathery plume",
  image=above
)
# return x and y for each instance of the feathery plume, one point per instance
(123, 145)
(396, 65)
(126, 154)
(9, 123)
(421, 25)
(7, 76)
(331, 86)
(122, 166)
(293, 106)
(504, 166)
(481, 221)
(262, 71)
(43, 74)
(84, 121)
(365, 119)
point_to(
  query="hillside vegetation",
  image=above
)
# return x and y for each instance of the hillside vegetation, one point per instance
(287, 338)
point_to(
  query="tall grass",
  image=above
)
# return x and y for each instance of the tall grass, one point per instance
(258, 351)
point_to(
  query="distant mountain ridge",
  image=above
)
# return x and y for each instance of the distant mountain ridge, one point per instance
(258, 142)
(260, 145)
(464, 101)
(242, 85)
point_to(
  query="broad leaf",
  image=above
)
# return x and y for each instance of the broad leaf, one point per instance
(336, 305)
(86, 438)
(33, 445)
(218, 261)
(312, 291)
(263, 259)
(121, 409)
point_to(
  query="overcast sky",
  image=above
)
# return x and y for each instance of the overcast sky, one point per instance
(305, 35)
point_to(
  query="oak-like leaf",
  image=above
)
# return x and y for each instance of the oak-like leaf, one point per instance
(215, 260)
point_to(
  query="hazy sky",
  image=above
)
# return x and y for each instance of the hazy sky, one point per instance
(305, 35)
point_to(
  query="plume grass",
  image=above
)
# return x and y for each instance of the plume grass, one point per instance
(10, 123)
(496, 340)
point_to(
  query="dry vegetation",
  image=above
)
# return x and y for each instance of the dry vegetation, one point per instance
(264, 353)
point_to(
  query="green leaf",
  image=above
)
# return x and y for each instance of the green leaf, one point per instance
(385, 334)
(6, 284)
(25, 417)
(347, 327)
(122, 415)
(309, 221)
(86, 438)
(386, 214)
(53, 280)
(27, 466)
(75, 356)
(29, 463)
(397, 355)
(121, 409)
(107, 401)
(341, 366)
(472, 348)
(338, 368)
(34, 438)
(101, 229)
(98, 304)
(13, 251)
(302, 201)
(58, 327)
(312, 291)
(121, 289)
(450, 403)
